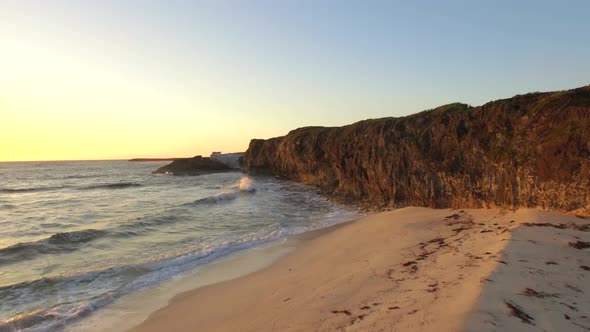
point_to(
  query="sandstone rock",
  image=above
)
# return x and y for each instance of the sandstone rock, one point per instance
(529, 150)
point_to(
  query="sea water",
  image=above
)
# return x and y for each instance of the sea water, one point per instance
(77, 236)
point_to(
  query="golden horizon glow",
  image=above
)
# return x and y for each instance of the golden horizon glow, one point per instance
(57, 107)
(87, 80)
(80, 101)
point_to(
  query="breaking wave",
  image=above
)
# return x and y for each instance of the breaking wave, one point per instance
(243, 187)
(247, 184)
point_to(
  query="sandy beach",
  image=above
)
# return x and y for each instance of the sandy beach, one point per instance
(412, 269)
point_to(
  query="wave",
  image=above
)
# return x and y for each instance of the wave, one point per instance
(244, 186)
(138, 276)
(217, 198)
(80, 176)
(120, 185)
(55, 244)
(76, 236)
(30, 190)
(57, 316)
(247, 184)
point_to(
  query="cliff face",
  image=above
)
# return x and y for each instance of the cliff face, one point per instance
(529, 150)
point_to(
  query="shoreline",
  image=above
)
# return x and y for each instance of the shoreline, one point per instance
(132, 309)
(397, 270)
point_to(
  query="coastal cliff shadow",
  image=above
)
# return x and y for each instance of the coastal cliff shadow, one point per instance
(540, 282)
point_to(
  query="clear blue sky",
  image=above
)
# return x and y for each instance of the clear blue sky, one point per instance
(209, 75)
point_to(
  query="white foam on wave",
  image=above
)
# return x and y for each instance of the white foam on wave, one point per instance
(247, 184)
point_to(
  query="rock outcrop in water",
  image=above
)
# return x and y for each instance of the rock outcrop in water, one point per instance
(147, 160)
(230, 159)
(193, 166)
(529, 150)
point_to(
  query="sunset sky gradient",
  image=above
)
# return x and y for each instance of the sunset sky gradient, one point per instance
(123, 79)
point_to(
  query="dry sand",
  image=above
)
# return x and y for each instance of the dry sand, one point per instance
(412, 269)
(543, 282)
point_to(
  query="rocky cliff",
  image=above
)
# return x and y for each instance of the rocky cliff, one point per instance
(529, 150)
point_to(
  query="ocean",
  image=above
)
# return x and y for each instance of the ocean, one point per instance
(77, 236)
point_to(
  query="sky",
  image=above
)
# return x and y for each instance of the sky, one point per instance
(119, 79)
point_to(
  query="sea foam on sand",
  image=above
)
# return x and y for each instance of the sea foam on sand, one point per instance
(412, 269)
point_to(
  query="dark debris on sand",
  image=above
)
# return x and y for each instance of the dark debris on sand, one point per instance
(579, 244)
(533, 293)
(346, 312)
(517, 311)
(582, 228)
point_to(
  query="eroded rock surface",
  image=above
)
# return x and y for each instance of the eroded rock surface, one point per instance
(529, 150)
